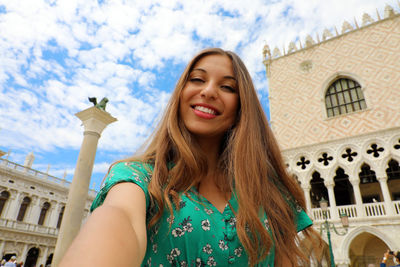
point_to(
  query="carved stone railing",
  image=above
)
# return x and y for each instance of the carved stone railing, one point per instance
(35, 173)
(38, 174)
(371, 210)
(28, 227)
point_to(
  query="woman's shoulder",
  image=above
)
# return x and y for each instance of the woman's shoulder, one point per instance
(131, 168)
(136, 172)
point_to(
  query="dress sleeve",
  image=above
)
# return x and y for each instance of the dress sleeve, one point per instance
(301, 219)
(133, 172)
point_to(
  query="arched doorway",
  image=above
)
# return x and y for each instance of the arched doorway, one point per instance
(32, 257)
(366, 249)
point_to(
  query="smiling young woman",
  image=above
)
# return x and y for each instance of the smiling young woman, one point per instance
(210, 189)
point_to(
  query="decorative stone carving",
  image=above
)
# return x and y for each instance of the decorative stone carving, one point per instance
(389, 12)
(366, 19)
(266, 52)
(276, 53)
(292, 47)
(346, 27)
(306, 66)
(29, 160)
(309, 41)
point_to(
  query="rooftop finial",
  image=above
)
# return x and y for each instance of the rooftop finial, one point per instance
(29, 160)
(292, 47)
(277, 52)
(346, 27)
(266, 52)
(309, 41)
(366, 19)
(326, 35)
(389, 12)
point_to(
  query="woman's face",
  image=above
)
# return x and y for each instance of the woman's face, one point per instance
(209, 101)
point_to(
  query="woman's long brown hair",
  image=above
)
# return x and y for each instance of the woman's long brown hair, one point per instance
(250, 160)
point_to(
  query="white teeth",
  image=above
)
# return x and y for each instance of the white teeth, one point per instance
(205, 110)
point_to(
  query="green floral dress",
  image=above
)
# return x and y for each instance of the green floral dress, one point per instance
(200, 235)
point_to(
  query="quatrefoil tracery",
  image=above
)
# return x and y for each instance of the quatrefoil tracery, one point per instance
(350, 155)
(375, 150)
(325, 159)
(303, 163)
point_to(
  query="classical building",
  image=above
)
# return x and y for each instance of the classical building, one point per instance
(335, 110)
(31, 209)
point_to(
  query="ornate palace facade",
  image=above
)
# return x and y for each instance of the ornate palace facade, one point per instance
(31, 210)
(335, 110)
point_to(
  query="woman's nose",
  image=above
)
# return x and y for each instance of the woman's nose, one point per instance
(210, 90)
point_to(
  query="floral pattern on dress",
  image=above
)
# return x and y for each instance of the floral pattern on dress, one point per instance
(222, 245)
(207, 249)
(205, 225)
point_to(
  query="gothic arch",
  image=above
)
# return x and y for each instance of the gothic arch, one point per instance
(359, 230)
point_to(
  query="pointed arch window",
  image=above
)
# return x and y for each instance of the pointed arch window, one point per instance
(367, 175)
(43, 213)
(22, 209)
(344, 96)
(4, 196)
(60, 216)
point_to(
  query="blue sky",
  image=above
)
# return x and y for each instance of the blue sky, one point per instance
(55, 54)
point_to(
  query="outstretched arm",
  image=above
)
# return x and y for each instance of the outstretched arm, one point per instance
(114, 234)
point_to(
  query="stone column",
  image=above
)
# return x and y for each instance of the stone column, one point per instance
(33, 214)
(386, 195)
(24, 253)
(94, 121)
(332, 201)
(54, 212)
(306, 190)
(357, 194)
(2, 244)
(43, 257)
(15, 203)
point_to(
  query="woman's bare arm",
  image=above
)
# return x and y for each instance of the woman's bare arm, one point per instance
(115, 234)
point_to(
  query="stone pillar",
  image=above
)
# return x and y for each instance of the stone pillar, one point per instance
(2, 244)
(33, 214)
(306, 189)
(43, 257)
(24, 253)
(357, 194)
(332, 201)
(15, 203)
(54, 212)
(94, 121)
(386, 195)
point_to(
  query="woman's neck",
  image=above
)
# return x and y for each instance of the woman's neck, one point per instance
(210, 147)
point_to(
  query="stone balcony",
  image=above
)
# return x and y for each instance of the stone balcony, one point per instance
(25, 227)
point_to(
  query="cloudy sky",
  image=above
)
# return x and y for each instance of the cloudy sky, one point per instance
(54, 54)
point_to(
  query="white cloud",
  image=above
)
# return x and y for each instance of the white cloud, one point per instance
(54, 54)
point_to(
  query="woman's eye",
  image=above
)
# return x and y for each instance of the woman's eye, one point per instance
(229, 88)
(196, 80)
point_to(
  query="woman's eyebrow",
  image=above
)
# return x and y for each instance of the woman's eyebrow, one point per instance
(225, 77)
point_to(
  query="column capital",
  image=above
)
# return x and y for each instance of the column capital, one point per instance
(329, 183)
(94, 119)
(354, 182)
(382, 179)
(306, 187)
